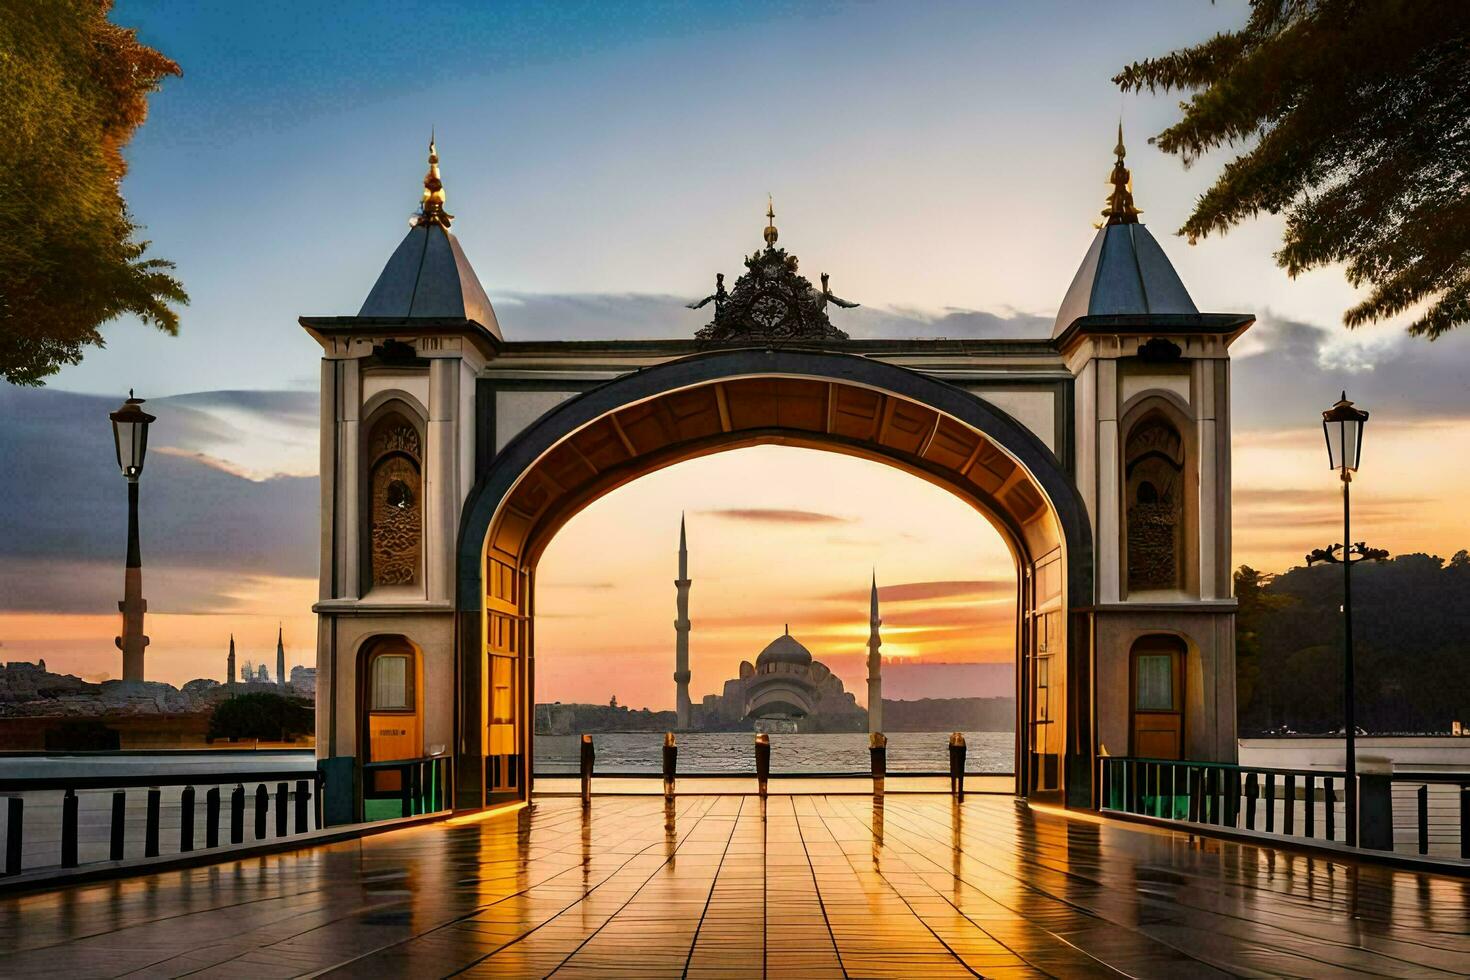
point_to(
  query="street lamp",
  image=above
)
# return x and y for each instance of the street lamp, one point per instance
(1343, 425)
(130, 437)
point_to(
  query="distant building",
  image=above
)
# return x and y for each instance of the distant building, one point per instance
(280, 659)
(230, 662)
(303, 680)
(262, 676)
(785, 690)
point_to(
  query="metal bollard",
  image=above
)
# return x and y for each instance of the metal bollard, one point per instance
(589, 756)
(211, 817)
(762, 761)
(1464, 821)
(150, 827)
(119, 811)
(262, 805)
(671, 764)
(878, 754)
(14, 824)
(303, 800)
(186, 820)
(1423, 807)
(957, 766)
(237, 815)
(69, 829)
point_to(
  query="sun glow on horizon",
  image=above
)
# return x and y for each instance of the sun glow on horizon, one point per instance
(777, 535)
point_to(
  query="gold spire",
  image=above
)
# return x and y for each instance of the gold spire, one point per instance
(1120, 209)
(431, 208)
(771, 233)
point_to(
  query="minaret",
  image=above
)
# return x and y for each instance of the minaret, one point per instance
(681, 632)
(230, 663)
(280, 659)
(875, 662)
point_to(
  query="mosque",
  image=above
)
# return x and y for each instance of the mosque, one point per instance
(785, 690)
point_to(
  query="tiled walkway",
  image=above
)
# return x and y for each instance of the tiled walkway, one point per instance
(809, 887)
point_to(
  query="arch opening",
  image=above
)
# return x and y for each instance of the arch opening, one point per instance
(774, 619)
(590, 445)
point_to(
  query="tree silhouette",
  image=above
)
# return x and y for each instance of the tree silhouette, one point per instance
(261, 715)
(1411, 624)
(1354, 116)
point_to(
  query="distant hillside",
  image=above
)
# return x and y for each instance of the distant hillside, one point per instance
(1411, 646)
(950, 715)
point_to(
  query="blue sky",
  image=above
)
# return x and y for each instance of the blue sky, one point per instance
(944, 162)
(931, 157)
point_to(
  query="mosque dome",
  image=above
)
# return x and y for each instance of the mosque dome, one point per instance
(784, 650)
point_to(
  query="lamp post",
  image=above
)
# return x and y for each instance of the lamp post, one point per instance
(130, 437)
(1343, 425)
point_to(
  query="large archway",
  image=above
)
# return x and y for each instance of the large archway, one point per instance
(712, 402)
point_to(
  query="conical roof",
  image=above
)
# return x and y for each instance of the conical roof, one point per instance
(428, 275)
(1125, 272)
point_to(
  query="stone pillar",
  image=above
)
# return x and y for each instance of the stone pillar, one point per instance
(348, 481)
(132, 642)
(441, 497)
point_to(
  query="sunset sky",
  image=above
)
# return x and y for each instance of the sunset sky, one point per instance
(944, 162)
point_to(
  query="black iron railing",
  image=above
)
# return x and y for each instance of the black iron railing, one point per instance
(292, 796)
(1428, 811)
(405, 787)
(1291, 802)
(1448, 803)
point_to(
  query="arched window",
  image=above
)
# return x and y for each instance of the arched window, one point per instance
(1155, 489)
(395, 502)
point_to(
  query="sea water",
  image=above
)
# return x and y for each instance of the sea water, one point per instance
(734, 752)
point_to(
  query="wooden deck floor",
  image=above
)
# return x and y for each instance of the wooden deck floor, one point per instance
(808, 886)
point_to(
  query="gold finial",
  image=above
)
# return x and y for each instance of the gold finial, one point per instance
(431, 208)
(1120, 209)
(771, 233)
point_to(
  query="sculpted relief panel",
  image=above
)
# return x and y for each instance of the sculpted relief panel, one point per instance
(395, 509)
(1154, 468)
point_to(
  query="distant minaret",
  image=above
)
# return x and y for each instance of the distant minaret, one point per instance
(681, 632)
(280, 659)
(230, 663)
(875, 663)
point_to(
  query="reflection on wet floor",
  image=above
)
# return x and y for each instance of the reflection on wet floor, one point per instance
(804, 886)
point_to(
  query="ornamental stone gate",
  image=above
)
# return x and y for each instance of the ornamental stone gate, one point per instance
(451, 456)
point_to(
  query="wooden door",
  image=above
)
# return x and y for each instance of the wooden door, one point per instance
(1156, 681)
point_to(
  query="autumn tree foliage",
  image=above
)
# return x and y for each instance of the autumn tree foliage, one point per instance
(1352, 118)
(73, 89)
